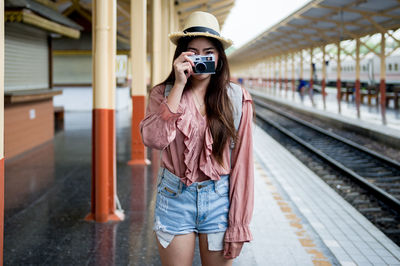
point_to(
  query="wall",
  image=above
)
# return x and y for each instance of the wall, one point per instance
(27, 125)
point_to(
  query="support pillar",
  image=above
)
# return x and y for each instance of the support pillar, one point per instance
(103, 121)
(173, 27)
(274, 73)
(311, 70)
(382, 85)
(139, 86)
(338, 81)
(293, 76)
(301, 71)
(1, 131)
(165, 48)
(323, 82)
(357, 83)
(286, 74)
(270, 74)
(280, 74)
(156, 56)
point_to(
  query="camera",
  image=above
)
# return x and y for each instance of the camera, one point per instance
(203, 64)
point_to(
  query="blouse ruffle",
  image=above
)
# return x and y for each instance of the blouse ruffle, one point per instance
(189, 130)
(187, 125)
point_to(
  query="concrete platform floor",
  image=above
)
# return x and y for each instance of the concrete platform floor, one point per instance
(370, 114)
(48, 196)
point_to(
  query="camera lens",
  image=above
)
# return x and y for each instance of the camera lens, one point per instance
(201, 67)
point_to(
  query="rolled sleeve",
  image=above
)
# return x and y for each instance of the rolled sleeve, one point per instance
(158, 128)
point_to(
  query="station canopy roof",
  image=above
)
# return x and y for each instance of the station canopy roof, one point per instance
(220, 8)
(321, 22)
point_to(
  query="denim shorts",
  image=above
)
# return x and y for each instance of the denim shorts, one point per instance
(202, 207)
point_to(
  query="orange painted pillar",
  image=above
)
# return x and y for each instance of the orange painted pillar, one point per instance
(1, 130)
(286, 75)
(293, 82)
(301, 67)
(274, 74)
(280, 74)
(138, 90)
(103, 121)
(269, 74)
(323, 82)
(357, 83)
(338, 81)
(311, 71)
(382, 85)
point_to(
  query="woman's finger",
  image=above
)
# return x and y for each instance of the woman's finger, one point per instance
(189, 60)
(188, 71)
(232, 249)
(183, 57)
(226, 249)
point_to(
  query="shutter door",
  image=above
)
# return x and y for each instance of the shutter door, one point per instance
(72, 69)
(26, 58)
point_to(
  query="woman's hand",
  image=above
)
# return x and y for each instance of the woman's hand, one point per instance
(232, 249)
(183, 67)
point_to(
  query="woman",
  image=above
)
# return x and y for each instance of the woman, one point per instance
(205, 184)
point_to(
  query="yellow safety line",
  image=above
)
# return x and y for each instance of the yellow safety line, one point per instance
(318, 258)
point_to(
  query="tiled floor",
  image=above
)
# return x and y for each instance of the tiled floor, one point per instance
(48, 196)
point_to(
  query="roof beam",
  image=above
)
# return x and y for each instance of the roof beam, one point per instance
(351, 23)
(190, 4)
(220, 4)
(184, 14)
(223, 10)
(123, 11)
(382, 13)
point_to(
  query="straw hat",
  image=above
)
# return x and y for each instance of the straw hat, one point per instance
(200, 24)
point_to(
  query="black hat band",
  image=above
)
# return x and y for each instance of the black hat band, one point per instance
(201, 29)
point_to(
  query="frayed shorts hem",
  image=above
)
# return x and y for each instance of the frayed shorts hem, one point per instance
(215, 240)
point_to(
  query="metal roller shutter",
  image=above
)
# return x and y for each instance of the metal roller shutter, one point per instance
(72, 69)
(26, 58)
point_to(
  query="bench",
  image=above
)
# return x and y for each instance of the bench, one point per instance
(393, 95)
(347, 90)
(371, 92)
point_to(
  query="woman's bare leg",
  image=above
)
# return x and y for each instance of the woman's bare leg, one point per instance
(211, 258)
(179, 252)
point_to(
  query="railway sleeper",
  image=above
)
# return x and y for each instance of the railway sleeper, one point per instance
(329, 176)
(351, 196)
(389, 179)
(386, 185)
(372, 174)
(335, 182)
(392, 231)
(360, 165)
(386, 220)
(344, 187)
(370, 210)
(361, 202)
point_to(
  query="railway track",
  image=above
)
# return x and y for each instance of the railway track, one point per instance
(367, 180)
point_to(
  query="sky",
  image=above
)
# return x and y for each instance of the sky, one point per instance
(249, 18)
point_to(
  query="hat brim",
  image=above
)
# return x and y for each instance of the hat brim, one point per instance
(175, 36)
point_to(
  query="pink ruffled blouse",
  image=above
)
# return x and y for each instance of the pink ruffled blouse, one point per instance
(186, 142)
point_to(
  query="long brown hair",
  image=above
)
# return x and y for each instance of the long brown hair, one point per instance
(219, 108)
